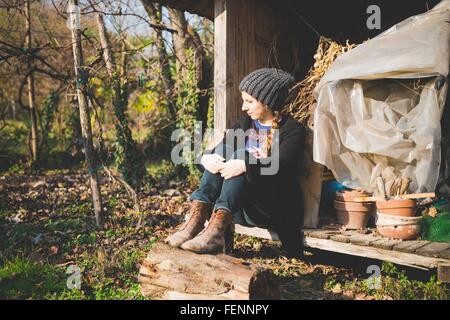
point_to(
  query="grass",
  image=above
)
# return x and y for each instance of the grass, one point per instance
(392, 284)
(102, 278)
(13, 146)
(21, 278)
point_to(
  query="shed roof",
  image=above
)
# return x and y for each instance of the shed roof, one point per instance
(204, 8)
(339, 20)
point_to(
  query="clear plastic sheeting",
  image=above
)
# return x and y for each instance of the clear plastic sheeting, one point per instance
(379, 106)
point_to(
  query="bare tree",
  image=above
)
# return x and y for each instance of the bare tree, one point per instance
(31, 93)
(154, 12)
(81, 88)
(128, 159)
(187, 38)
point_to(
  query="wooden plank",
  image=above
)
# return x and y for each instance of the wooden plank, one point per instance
(445, 254)
(224, 22)
(323, 234)
(433, 249)
(443, 274)
(410, 246)
(406, 259)
(310, 183)
(386, 244)
(257, 232)
(308, 231)
(204, 8)
(363, 239)
(242, 43)
(340, 238)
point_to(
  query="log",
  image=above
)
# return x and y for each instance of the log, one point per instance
(173, 274)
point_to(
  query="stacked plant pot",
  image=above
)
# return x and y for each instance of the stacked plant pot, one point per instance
(351, 214)
(396, 218)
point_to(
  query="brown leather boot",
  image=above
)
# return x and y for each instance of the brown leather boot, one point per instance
(216, 237)
(199, 213)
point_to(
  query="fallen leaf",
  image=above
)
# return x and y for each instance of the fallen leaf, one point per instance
(54, 250)
(337, 288)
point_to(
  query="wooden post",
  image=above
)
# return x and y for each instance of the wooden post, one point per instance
(30, 82)
(246, 36)
(242, 39)
(444, 272)
(85, 120)
(311, 176)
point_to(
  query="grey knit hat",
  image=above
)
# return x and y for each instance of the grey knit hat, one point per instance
(269, 86)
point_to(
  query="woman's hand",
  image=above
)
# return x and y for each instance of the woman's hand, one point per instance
(213, 162)
(232, 168)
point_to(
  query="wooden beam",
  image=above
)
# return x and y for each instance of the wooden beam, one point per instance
(443, 274)
(257, 232)
(224, 41)
(204, 8)
(433, 249)
(233, 44)
(373, 248)
(244, 32)
(406, 259)
(311, 176)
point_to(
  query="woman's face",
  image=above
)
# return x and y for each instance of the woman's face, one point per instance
(255, 109)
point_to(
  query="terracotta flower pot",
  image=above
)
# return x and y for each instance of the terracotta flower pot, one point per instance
(349, 196)
(353, 215)
(408, 232)
(398, 207)
(398, 227)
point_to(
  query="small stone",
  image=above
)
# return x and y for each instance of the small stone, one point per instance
(171, 192)
(38, 184)
(54, 250)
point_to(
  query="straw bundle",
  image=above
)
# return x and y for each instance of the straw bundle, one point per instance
(303, 106)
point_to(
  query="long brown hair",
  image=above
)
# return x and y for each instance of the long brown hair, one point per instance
(275, 125)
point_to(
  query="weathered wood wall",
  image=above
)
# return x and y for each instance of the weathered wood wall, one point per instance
(248, 35)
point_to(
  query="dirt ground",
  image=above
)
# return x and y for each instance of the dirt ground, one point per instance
(47, 225)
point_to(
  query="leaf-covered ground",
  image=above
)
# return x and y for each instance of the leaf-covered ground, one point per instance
(46, 225)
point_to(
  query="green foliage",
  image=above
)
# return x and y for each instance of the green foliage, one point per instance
(13, 146)
(65, 225)
(22, 279)
(188, 112)
(394, 284)
(160, 169)
(128, 159)
(152, 106)
(50, 105)
(210, 122)
(79, 208)
(397, 285)
(437, 228)
(150, 100)
(86, 238)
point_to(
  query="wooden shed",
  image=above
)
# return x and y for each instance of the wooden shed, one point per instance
(250, 34)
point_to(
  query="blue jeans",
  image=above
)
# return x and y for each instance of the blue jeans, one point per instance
(227, 194)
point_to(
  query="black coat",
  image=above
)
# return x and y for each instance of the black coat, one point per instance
(278, 195)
